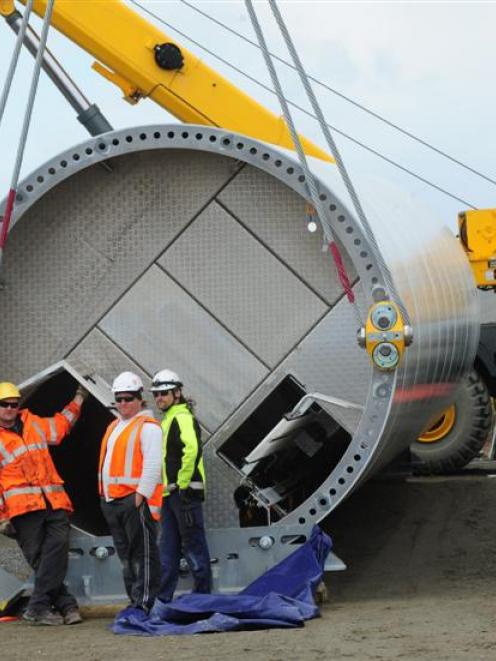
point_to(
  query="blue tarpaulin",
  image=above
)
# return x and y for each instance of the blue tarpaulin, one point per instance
(282, 597)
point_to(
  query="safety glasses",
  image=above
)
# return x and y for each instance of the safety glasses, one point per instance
(125, 398)
(161, 393)
(9, 405)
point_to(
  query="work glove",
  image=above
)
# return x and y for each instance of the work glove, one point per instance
(7, 529)
(82, 392)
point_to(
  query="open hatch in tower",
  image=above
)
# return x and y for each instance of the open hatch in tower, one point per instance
(287, 447)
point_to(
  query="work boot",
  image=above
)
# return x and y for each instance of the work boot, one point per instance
(44, 618)
(73, 616)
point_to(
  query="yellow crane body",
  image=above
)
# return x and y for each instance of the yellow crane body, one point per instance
(123, 44)
(477, 229)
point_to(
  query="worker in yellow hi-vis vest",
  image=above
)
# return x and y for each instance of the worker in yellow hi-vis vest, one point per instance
(183, 529)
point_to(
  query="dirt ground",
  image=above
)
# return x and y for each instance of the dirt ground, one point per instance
(420, 586)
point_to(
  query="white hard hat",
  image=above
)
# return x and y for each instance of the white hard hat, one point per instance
(127, 382)
(165, 380)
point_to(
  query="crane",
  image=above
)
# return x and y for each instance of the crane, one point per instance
(144, 62)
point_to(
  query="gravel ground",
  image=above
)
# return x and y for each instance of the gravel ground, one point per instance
(420, 586)
(451, 626)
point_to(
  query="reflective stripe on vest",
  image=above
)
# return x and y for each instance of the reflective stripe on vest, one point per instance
(9, 457)
(53, 488)
(30, 491)
(68, 415)
(128, 462)
(28, 477)
(126, 478)
(154, 510)
(3, 451)
(53, 432)
(25, 491)
(21, 491)
(41, 433)
(12, 456)
(123, 480)
(128, 472)
(196, 485)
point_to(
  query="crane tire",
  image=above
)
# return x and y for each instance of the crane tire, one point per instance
(469, 432)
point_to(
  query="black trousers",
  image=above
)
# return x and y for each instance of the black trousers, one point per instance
(43, 536)
(183, 533)
(135, 538)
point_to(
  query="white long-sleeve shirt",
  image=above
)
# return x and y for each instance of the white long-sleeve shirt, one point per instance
(151, 448)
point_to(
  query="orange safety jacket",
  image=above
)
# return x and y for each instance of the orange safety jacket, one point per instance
(126, 464)
(28, 477)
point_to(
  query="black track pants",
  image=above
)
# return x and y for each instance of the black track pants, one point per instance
(135, 538)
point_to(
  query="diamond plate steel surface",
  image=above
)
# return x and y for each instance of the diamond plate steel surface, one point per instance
(29, 343)
(277, 216)
(160, 325)
(329, 360)
(219, 507)
(96, 354)
(95, 234)
(242, 284)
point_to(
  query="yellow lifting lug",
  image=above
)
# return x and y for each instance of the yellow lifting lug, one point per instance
(7, 7)
(385, 335)
(477, 232)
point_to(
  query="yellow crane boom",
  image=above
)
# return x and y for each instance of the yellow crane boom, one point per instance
(131, 53)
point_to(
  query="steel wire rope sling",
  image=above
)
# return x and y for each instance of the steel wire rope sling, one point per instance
(15, 59)
(331, 144)
(397, 330)
(28, 112)
(336, 92)
(312, 186)
(269, 89)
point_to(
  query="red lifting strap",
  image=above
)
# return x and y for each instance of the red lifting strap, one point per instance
(6, 219)
(341, 269)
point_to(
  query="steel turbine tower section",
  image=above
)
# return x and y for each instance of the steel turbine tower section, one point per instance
(192, 251)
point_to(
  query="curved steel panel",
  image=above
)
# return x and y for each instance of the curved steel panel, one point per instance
(90, 238)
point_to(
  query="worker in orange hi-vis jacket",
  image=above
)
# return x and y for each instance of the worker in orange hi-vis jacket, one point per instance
(34, 504)
(130, 478)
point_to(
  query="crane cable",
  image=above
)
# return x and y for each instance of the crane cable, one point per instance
(25, 128)
(346, 98)
(321, 210)
(15, 59)
(362, 217)
(269, 89)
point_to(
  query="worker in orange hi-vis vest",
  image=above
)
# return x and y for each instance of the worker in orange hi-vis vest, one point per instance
(34, 504)
(130, 478)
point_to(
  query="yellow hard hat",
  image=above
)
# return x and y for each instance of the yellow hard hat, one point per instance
(8, 390)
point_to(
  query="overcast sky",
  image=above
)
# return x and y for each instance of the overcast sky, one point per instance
(427, 66)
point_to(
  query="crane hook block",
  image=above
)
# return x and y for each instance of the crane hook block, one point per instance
(385, 335)
(168, 56)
